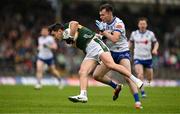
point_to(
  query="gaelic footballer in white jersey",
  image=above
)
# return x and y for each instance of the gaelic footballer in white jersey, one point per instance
(113, 29)
(143, 44)
(44, 51)
(143, 50)
(46, 44)
(121, 46)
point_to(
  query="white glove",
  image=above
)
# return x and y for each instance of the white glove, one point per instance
(101, 26)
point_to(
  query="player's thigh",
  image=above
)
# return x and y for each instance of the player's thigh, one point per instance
(39, 65)
(87, 66)
(100, 70)
(148, 72)
(139, 69)
(126, 63)
(107, 59)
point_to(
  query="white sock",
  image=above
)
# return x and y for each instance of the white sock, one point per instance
(83, 93)
(134, 79)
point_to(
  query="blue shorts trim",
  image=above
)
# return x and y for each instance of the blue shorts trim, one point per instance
(47, 61)
(145, 63)
(118, 56)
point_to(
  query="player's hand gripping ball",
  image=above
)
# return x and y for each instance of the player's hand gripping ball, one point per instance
(66, 34)
(67, 37)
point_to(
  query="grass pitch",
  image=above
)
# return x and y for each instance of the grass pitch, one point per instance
(51, 100)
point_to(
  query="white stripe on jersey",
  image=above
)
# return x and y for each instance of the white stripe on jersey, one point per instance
(45, 53)
(117, 25)
(142, 44)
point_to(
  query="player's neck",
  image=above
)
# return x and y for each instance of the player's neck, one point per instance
(111, 20)
(142, 31)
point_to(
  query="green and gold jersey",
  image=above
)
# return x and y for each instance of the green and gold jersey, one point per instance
(82, 37)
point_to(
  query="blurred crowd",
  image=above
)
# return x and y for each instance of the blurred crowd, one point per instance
(20, 25)
(21, 22)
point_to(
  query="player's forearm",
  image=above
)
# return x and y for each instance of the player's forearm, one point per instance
(130, 44)
(53, 46)
(111, 37)
(156, 46)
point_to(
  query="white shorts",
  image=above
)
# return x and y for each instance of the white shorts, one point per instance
(95, 48)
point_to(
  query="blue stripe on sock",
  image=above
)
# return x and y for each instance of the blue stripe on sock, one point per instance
(136, 97)
(112, 84)
(142, 92)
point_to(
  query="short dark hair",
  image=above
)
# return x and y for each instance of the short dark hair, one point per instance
(55, 27)
(142, 19)
(106, 6)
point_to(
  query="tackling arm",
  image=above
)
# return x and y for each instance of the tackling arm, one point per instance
(113, 37)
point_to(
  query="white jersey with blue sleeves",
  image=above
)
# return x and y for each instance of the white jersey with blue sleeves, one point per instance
(142, 44)
(122, 44)
(45, 52)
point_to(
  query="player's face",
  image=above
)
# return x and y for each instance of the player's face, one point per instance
(142, 24)
(57, 34)
(44, 32)
(105, 16)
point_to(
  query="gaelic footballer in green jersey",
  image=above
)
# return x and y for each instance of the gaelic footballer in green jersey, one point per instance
(90, 42)
(82, 36)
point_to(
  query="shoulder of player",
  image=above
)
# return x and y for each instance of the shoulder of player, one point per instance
(134, 32)
(50, 37)
(118, 20)
(40, 37)
(118, 23)
(150, 32)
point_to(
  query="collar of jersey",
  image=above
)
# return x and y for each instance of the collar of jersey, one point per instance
(142, 32)
(112, 21)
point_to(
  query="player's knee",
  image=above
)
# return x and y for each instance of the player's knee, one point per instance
(39, 71)
(95, 77)
(83, 73)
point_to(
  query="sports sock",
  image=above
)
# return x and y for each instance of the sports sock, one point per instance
(59, 79)
(136, 97)
(112, 84)
(83, 93)
(39, 81)
(134, 79)
(142, 92)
